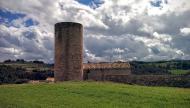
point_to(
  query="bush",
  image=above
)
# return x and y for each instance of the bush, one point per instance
(20, 81)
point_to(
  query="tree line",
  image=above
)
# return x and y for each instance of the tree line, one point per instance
(159, 67)
(10, 75)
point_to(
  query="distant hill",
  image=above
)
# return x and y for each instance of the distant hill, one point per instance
(161, 67)
(21, 71)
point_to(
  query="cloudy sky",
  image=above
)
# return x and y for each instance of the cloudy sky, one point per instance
(146, 30)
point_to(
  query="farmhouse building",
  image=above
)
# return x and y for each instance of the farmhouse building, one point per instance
(103, 71)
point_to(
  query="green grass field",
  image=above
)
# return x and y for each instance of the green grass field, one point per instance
(92, 95)
(179, 72)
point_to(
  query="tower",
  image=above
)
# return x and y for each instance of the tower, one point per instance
(68, 51)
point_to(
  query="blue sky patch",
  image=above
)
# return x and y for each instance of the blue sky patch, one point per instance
(6, 17)
(91, 3)
(30, 22)
(158, 3)
(86, 2)
(4, 14)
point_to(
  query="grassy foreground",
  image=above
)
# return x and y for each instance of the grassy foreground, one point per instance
(92, 95)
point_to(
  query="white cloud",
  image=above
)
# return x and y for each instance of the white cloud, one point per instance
(185, 31)
(135, 29)
(162, 37)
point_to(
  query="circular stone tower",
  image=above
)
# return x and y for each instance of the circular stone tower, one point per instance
(68, 51)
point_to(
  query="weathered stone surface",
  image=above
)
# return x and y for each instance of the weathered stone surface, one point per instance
(100, 71)
(68, 51)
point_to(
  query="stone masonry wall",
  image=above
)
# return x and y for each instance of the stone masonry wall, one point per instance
(68, 51)
(102, 74)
